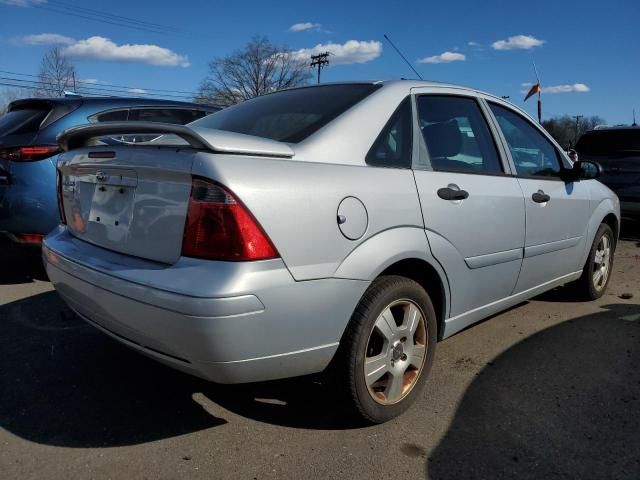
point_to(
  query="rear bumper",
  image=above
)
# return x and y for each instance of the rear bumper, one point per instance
(29, 203)
(248, 322)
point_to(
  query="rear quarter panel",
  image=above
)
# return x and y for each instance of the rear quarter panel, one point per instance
(296, 203)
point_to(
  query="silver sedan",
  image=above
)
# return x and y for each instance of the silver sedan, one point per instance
(343, 227)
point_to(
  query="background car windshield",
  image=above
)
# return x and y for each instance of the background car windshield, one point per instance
(290, 115)
(608, 142)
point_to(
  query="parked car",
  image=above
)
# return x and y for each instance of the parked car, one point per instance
(344, 225)
(28, 149)
(617, 149)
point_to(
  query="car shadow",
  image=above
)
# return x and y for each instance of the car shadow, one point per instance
(64, 383)
(19, 264)
(563, 403)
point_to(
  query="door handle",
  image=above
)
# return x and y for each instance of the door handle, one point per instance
(540, 197)
(448, 193)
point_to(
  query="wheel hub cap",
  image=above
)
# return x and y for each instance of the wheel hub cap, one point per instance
(396, 352)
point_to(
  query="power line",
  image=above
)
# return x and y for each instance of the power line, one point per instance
(84, 82)
(96, 91)
(115, 17)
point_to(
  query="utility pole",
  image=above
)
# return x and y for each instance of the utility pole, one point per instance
(577, 117)
(320, 61)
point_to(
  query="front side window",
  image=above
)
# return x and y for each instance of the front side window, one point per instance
(533, 154)
(456, 135)
(393, 146)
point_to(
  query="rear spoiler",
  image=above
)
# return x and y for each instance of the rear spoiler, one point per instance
(218, 141)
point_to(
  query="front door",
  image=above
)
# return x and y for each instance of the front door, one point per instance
(557, 212)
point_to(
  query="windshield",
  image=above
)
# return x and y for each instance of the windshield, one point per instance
(21, 121)
(289, 115)
(610, 142)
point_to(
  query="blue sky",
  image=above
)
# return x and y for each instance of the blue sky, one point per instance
(587, 53)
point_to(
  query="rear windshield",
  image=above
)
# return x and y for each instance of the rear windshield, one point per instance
(609, 142)
(289, 115)
(21, 121)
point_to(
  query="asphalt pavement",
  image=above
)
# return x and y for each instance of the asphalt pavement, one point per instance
(549, 389)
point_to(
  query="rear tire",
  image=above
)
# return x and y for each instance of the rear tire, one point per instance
(597, 269)
(388, 349)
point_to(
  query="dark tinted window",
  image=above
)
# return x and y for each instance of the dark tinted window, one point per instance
(533, 154)
(178, 116)
(21, 121)
(610, 142)
(113, 116)
(289, 115)
(456, 134)
(393, 146)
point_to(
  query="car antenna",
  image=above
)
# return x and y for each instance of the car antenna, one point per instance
(403, 57)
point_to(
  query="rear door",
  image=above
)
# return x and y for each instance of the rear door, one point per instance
(473, 209)
(557, 212)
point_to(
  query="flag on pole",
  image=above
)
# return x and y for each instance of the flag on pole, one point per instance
(534, 89)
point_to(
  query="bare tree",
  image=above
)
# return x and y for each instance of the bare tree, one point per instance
(56, 74)
(260, 67)
(566, 131)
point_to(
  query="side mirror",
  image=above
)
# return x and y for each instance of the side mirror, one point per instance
(585, 170)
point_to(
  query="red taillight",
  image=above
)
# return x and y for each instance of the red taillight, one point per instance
(29, 238)
(219, 227)
(63, 218)
(28, 154)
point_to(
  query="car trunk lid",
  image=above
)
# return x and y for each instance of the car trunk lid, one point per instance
(134, 199)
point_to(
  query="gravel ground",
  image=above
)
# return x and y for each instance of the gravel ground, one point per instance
(549, 389)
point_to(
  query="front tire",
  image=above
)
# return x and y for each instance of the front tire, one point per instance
(388, 348)
(597, 270)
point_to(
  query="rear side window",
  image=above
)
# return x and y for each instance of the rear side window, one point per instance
(177, 116)
(24, 121)
(393, 146)
(532, 153)
(457, 136)
(288, 115)
(610, 142)
(112, 116)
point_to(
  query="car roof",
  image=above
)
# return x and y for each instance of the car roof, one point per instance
(107, 102)
(403, 84)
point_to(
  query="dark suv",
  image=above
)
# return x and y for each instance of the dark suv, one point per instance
(617, 149)
(28, 149)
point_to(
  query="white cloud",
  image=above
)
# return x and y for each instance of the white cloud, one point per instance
(22, 3)
(45, 39)
(101, 48)
(473, 44)
(523, 42)
(137, 90)
(301, 27)
(89, 80)
(352, 51)
(566, 88)
(446, 57)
